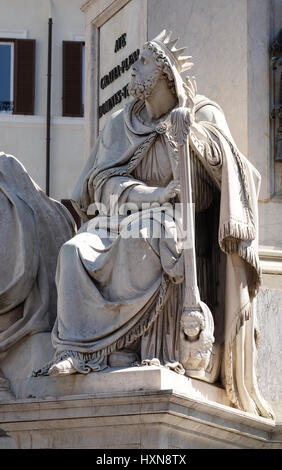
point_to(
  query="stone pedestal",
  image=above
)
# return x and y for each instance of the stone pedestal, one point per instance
(144, 407)
(141, 408)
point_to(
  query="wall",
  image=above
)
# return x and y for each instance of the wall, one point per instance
(220, 60)
(25, 136)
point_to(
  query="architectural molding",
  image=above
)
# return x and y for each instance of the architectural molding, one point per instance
(271, 260)
(14, 33)
(99, 11)
(145, 419)
(38, 121)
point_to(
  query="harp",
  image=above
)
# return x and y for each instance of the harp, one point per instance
(192, 336)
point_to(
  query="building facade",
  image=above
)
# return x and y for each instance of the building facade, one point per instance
(24, 39)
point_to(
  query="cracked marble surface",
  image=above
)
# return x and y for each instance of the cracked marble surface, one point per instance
(270, 350)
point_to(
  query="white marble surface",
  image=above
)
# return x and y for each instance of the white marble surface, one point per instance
(36, 350)
(215, 34)
(141, 420)
(145, 408)
(6, 442)
(270, 350)
(258, 18)
(148, 378)
(270, 223)
(29, 354)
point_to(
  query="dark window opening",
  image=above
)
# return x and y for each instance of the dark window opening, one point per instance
(73, 78)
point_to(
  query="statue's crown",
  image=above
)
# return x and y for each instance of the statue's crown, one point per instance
(168, 46)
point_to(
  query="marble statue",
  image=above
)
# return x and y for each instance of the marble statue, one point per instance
(127, 292)
(196, 342)
(33, 228)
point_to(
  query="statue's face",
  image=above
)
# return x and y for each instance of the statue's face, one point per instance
(144, 75)
(144, 67)
(192, 327)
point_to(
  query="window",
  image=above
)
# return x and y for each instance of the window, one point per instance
(73, 78)
(6, 77)
(17, 78)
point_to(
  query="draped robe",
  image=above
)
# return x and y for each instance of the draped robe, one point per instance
(33, 227)
(113, 290)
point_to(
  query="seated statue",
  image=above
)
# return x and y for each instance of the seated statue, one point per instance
(32, 230)
(120, 280)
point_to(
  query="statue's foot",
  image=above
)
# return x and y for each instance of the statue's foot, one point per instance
(64, 367)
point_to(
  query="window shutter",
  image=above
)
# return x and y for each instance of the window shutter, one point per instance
(72, 78)
(24, 76)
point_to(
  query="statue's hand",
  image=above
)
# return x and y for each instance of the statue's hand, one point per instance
(170, 191)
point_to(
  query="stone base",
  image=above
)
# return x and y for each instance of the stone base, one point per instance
(31, 353)
(111, 381)
(142, 408)
(144, 420)
(6, 442)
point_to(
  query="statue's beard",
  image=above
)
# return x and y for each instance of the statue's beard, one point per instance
(142, 89)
